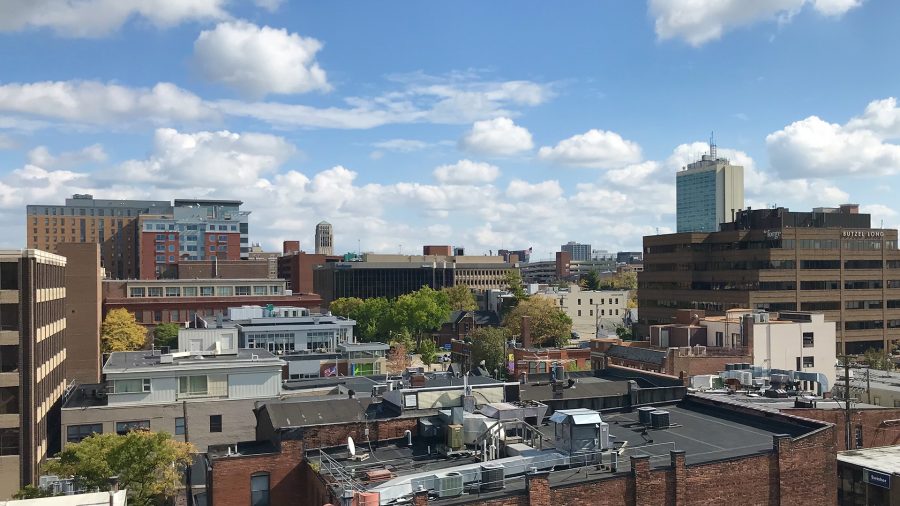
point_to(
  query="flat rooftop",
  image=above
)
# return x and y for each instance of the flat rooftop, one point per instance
(705, 431)
(885, 459)
(128, 361)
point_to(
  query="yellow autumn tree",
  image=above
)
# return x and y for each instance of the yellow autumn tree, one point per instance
(121, 332)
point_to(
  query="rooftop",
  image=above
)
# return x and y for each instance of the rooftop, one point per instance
(885, 459)
(139, 361)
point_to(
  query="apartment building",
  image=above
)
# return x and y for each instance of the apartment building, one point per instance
(594, 313)
(32, 362)
(110, 223)
(829, 260)
(207, 396)
(708, 193)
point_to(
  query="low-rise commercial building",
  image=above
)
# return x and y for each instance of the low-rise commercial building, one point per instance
(179, 300)
(870, 476)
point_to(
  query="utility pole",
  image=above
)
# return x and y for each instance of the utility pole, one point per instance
(847, 400)
(868, 387)
(187, 472)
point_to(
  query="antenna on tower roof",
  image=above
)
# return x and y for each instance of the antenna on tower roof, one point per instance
(712, 145)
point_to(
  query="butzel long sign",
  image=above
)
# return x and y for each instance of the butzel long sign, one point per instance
(862, 234)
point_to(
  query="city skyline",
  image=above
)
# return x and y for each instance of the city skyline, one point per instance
(398, 127)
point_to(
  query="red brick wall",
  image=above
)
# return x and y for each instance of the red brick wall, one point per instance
(693, 366)
(231, 476)
(705, 482)
(325, 436)
(868, 419)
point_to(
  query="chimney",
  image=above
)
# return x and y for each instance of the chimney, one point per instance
(526, 332)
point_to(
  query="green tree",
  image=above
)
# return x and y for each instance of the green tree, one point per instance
(620, 281)
(489, 345)
(121, 332)
(345, 306)
(461, 298)
(550, 326)
(166, 334)
(624, 332)
(591, 280)
(32, 492)
(427, 351)
(513, 281)
(371, 316)
(420, 311)
(398, 358)
(877, 359)
(148, 464)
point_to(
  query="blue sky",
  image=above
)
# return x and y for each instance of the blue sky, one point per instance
(481, 124)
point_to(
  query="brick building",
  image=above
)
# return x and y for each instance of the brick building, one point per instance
(84, 313)
(296, 267)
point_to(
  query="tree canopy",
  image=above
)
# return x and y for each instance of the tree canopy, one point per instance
(398, 358)
(148, 464)
(420, 311)
(461, 298)
(166, 334)
(121, 332)
(427, 351)
(489, 345)
(591, 280)
(514, 285)
(550, 326)
(621, 281)
(372, 316)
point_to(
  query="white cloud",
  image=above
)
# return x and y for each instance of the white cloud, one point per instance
(259, 60)
(466, 172)
(207, 159)
(814, 147)
(269, 5)
(96, 18)
(594, 148)
(401, 145)
(41, 157)
(700, 21)
(881, 117)
(498, 136)
(93, 102)
(519, 189)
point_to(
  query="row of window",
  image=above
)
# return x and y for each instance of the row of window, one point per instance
(203, 291)
(871, 325)
(77, 433)
(612, 300)
(811, 244)
(171, 226)
(61, 211)
(602, 312)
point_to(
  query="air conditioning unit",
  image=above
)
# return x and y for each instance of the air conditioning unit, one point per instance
(684, 351)
(450, 485)
(700, 351)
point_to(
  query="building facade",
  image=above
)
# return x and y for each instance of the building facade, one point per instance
(578, 252)
(33, 356)
(324, 239)
(110, 223)
(195, 230)
(270, 257)
(296, 267)
(594, 313)
(179, 300)
(708, 193)
(209, 398)
(829, 260)
(84, 311)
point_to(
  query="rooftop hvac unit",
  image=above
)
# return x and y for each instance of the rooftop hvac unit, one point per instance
(659, 419)
(455, 436)
(644, 414)
(491, 477)
(450, 485)
(684, 351)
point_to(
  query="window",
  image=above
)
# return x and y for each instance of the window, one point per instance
(809, 362)
(275, 289)
(223, 238)
(225, 291)
(171, 258)
(131, 386)
(9, 441)
(155, 291)
(579, 312)
(9, 400)
(242, 290)
(808, 339)
(173, 291)
(171, 247)
(137, 292)
(179, 426)
(190, 291)
(190, 386)
(75, 433)
(215, 423)
(720, 339)
(259, 489)
(123, 428)
(9, 358)
(171, 237)
(259, 290)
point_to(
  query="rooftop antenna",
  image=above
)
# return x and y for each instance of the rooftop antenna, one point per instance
(712, 145)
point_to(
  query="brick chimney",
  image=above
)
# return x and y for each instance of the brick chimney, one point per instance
(526, 332)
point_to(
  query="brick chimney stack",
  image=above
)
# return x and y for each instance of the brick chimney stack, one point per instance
(526, 332)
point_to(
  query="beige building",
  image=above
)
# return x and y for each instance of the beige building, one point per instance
(592, 312)
(270, 257)
(32, 362)
(476, 272)
(324, 239)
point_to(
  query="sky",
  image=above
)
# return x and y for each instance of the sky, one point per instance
(486, 125)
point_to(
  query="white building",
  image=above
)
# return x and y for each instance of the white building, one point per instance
(708, 192)
(594, 313)
(282, 330)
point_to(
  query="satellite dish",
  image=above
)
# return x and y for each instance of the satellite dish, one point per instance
(351, 447)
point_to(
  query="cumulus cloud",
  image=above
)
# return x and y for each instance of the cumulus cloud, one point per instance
(401, 145)
(817, 148)
(259, 60)
(595, 148)
(94, 102)
(498, 137)
(96, 18)
(519, 189)
(466, 172)
(700, 21)
(41, 157)
(208, 159)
